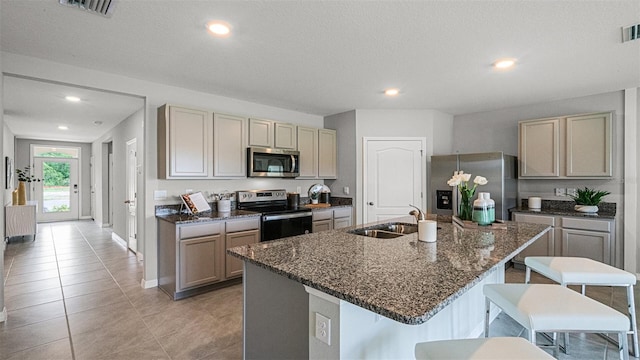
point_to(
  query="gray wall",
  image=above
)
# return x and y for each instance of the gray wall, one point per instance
(345, 125)
(22, 155)
(498, 131)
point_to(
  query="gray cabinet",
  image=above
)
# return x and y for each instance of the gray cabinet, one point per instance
(566, 147)
(342, 217)
(327, 156)
(200, 261)
(272, 134)
(331, 219)
(545, 245)
(239, 233)
(318, 153)
(229, 146)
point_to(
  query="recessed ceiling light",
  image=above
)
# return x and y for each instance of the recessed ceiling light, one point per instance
(391, 92)
(72, 98)
(219, 28)
(62, 127)
(504, 63)
(97, 123)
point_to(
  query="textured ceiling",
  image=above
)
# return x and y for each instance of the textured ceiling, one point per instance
(325, 57)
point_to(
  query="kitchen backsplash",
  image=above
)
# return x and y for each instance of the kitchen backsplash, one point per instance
(560, 205)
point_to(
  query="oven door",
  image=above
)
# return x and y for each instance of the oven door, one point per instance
(265, 162)
(276, 226)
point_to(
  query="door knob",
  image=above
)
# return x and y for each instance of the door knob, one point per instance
(127, 201)
(371, 203)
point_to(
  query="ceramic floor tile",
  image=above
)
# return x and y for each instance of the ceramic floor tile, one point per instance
(32, 276)
(58, 350)
(84, 277)
(95, 300)
(105, 340)
(25, 269)
(33, 298)
(83, 268)
(29, 336)
(150, 350)
(33, 314)
(105, 317)
(37, 260)
(88, 288)
(78, 261)
(28, 287)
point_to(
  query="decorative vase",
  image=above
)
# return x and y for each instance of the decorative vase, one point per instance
(314, 201)
(14, 197)
(465, 209)
(22, 193)
(586, 208)
(484, 209)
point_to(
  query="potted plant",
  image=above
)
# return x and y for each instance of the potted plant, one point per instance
(587, 199)
(24, 176)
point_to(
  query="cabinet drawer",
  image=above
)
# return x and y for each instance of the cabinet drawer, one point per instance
(586, 224)
(535, 219)
(322, 215)
(341, 212)
(243, 225)
(192, 231)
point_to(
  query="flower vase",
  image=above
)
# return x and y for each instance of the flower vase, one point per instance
(466, 208)
(22, 193)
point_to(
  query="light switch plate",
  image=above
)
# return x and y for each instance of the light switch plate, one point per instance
(571, 192)
(159, 194)
(323, 329)
(560, 191)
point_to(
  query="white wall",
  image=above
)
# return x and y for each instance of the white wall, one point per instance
(156, 95)
(433, 125)
(8, 149)
(498, 131)
(3, 310)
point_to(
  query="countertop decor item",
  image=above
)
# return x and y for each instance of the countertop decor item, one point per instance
(314, 192)
(24, 176)
(587, 199)
(461, 181)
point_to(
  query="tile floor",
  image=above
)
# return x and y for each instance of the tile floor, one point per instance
(75, 293)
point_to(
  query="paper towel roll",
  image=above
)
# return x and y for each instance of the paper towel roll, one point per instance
(427, 230)
(534, 202)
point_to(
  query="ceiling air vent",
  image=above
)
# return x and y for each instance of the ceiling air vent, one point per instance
(102, 7)
(630, 33)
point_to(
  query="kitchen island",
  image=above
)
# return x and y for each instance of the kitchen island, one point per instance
(381, 295)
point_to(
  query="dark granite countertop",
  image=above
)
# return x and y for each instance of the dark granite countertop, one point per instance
(403, 279)
(565, 208)
(207, 216)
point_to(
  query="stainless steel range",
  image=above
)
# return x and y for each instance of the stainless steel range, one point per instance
(278, 220)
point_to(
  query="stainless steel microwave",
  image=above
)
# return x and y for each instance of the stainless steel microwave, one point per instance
(266, 162)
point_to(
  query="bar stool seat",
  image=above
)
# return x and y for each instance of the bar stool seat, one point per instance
(554, 308)
(585, 271)
(497, 348)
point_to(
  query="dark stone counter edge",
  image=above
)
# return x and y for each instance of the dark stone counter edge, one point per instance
(556, 212)
(206, 217)
(410, 320)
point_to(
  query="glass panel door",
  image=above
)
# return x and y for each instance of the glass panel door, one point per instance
(57, 192)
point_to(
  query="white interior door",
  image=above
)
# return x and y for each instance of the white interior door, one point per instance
(131, 165)
(58, 192)
(393, 177)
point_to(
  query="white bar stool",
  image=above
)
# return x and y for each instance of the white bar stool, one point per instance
(554, 308)
(497, 348)
(585, 271)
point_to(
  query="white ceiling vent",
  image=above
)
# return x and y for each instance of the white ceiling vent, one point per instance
(630, 33)
(102, 7)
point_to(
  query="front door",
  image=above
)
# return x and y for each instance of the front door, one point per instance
(393, 177)
(57, 193)
(132, 241)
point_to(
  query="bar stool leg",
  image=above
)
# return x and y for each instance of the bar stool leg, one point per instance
(527, 276)
(487, 303)
(632, 318)
(623, 346)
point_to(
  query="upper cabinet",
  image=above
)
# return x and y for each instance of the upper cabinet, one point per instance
(317, 149)
(566, 147)
(184, 143)
(197, 144)
(271, 134)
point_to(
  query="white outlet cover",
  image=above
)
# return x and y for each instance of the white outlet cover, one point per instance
(323, 329)
(159, 194)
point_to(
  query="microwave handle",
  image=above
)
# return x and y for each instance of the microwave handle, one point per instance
(293, 163)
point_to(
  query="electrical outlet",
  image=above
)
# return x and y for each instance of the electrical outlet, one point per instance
(323, 329)
(560, 192)
(299, 190)
(345, 190)
(159, 194)
(188, 191)
(571, 192)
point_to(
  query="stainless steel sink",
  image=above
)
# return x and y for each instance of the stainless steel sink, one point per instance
(386, 231)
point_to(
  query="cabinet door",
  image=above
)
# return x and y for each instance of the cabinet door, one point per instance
(340, 223)
(229, 146)
(539, 148)
(261, 133)
(234, 265)
(322, 225)
(285, 136)
(545, 245)
(308, 148)
(200, 261)
(589, 145)
(589, 244)
(188, 135)
(327, 154)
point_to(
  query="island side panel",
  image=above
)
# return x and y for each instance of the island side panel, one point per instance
(276, 311)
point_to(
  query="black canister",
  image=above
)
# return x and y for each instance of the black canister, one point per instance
(325, 197)
(293, 199)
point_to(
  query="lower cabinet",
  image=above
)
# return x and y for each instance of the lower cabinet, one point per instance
(331, 219)
(573, 236)
(192, 257)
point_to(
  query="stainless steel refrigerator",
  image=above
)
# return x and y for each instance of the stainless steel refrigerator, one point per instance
(498, 168)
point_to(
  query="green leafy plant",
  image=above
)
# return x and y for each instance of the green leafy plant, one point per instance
(590, 197)
(25, 175)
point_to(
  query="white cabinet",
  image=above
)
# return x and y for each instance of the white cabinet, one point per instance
(331, 219)
(271, 134)
(20, 220)
(318, 154)
(184, 143)
(566, 147)
(572, 236)
(229, 150)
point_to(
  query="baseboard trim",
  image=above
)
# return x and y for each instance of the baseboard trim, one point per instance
(147, 284)
(117, 238)
(3, 315)
(140, 256)
(85, 217)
